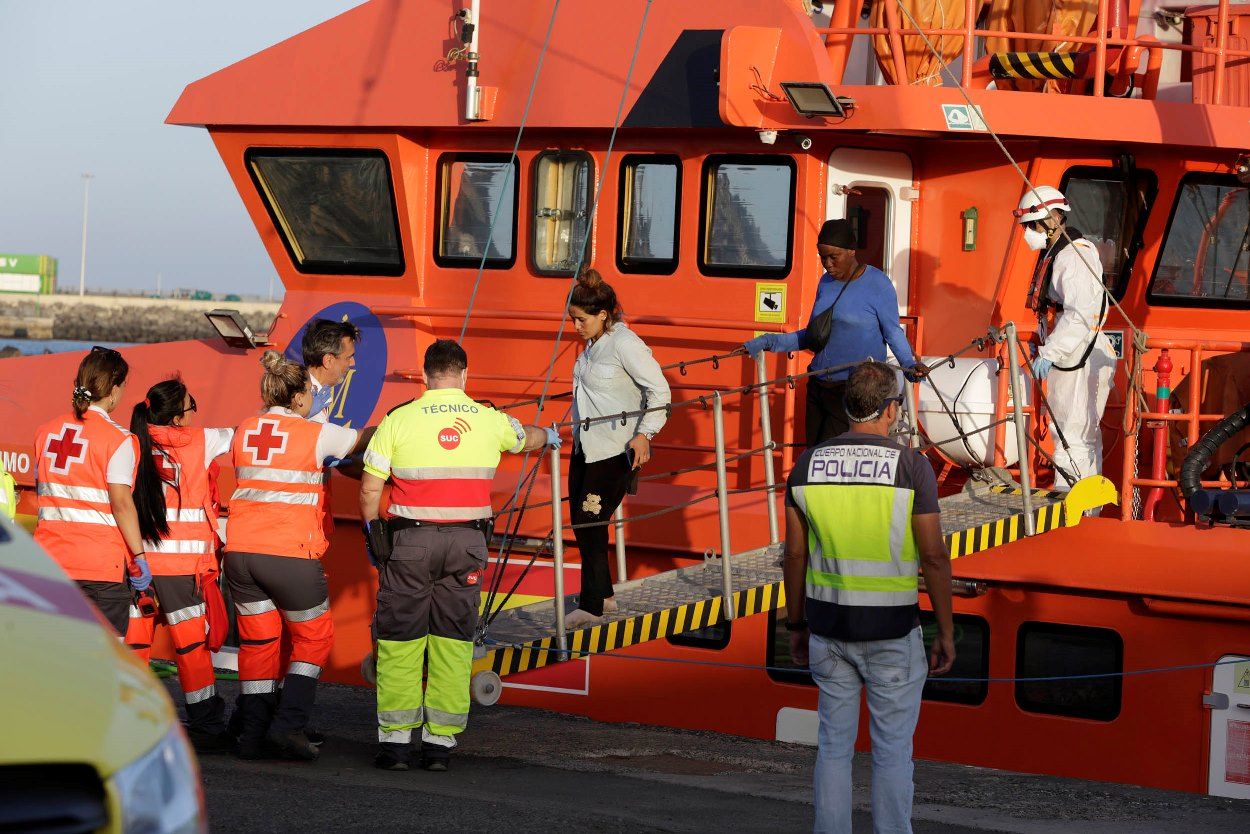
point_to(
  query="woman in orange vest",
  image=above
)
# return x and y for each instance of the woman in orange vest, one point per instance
(173, 497)
(85, 472)
(274, 544)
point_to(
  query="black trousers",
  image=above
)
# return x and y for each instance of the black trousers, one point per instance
(826, 412)
(595, 491)
(113, 599)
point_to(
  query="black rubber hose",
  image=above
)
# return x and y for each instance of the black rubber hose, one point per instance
(1199, 457)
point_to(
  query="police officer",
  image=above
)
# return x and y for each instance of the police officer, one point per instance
(861, 516)
(441, 451)
(1075, 356)
(8, 493)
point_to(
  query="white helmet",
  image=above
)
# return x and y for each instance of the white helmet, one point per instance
(1037, 203)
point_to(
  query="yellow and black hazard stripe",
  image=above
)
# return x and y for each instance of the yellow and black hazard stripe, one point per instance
(617, 634)
(1006, 530)
(1039, 64)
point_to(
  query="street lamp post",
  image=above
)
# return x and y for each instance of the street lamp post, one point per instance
(82, 264)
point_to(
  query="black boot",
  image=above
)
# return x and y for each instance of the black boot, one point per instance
(293, 745)
(435, 757)
(206, 726)
(256, 713)
(392, 756)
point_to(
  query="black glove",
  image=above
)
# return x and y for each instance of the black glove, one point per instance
(377, 541)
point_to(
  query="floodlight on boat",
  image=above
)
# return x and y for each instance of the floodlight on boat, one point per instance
(232, 328)
(812, 98)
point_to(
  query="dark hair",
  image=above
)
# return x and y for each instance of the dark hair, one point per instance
(324, 337)
(445, 356)
(870, 386)
(595, 296)
(282, 380)
(162, 404)
(99, 372)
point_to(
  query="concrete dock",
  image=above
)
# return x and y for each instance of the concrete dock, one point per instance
(521, 770)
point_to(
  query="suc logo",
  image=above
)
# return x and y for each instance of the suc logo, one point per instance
(354, 399)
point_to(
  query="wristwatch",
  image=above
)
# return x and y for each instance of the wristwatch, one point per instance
(799, 626)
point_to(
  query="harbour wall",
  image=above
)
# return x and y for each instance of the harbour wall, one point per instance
(121, 318)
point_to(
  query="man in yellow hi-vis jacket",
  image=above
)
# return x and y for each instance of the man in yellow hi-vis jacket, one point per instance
(441, 452)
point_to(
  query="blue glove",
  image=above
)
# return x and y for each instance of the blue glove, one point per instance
(141, 580)
(321, 399)
(754, 346)
(553, 437)
(1041, 367)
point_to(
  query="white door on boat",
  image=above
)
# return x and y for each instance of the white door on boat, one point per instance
(876, 190)
(1229, 702)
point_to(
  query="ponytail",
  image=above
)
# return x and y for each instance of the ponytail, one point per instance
(162, 404)
(99, 372)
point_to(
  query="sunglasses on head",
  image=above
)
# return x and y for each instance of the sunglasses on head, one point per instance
(191, 407)
(108, 350)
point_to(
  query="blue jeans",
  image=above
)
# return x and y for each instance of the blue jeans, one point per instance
(894, 672)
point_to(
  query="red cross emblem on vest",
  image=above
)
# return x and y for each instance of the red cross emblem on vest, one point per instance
(264, 442)
(167, 468)
(66, 449)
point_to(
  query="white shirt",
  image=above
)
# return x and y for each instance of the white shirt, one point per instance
(216, 442)
(1076, 284)
(121, 468)
(616, 373)
(334, 442)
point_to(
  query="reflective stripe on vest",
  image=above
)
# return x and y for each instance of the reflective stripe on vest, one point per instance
(76, 524)
(278, 503)
(861, 551)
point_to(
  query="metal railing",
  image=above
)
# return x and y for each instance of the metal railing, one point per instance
(722, 493)
(838, 40)
(1161, 418)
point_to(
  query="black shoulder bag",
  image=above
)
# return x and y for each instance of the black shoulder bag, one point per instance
(816, 336)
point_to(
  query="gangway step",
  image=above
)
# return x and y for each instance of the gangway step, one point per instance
(682, 600)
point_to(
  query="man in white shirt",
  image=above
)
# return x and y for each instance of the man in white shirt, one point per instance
(329, 349)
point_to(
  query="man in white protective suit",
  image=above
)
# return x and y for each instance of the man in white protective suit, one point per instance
(1075, 356)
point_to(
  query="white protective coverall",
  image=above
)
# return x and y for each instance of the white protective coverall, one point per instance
(1078, 397)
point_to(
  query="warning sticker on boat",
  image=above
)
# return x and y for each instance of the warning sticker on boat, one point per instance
(1241, 677)
(1116, 337)
(770, 302)
(963, 117)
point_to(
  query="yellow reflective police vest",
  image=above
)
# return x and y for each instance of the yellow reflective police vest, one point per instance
(442, 451)
(8, 493)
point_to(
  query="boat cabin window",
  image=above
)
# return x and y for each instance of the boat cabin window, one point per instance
(1110, 207)
(648, 214)
(972, 660)
(563, 182)
(333, 208)
(746, 222)
(1206, 251)
(1050, 649)
(477, 208)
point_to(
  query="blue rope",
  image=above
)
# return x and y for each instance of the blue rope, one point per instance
(512, 163)
(570, 654)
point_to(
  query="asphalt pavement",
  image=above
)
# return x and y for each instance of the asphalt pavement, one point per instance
(522, 770)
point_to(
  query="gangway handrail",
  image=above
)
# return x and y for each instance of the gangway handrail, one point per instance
(550, 315)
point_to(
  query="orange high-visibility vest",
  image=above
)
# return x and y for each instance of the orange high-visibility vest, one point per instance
(278, 501)
(76, 524)
(188, 548)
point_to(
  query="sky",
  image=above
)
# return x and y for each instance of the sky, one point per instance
(85, 86)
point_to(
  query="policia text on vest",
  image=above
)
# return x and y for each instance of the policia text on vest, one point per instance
(440, 453)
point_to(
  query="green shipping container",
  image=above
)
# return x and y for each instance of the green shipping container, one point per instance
(28, 274)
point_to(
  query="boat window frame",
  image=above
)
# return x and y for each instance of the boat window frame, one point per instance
(474, 261)
(1191, 302)
(1110, 172)
(1034, 707)
(781, 674)
(311, 267)
(699, 638)
(983, 670)
(747, 270)
(648, 266)
(533, 218)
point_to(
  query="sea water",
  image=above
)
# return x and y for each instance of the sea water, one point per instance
(34, 347)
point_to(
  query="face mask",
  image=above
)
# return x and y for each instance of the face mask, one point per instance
(1034, 239)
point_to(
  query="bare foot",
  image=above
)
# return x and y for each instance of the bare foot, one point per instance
(610, 606)
(580, 619)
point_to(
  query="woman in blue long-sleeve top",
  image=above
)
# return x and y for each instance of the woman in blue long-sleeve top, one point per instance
(865, 320)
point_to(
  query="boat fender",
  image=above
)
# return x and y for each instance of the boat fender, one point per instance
(1199, 457)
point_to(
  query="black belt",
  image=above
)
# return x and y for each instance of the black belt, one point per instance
(396, 523)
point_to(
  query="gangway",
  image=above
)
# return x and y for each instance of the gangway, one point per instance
(674, 602)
